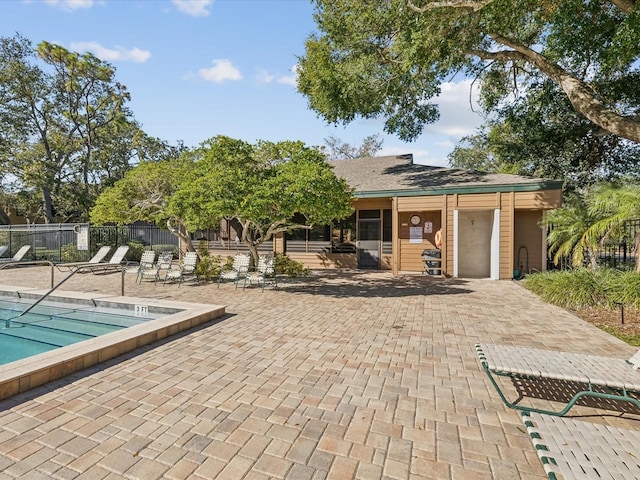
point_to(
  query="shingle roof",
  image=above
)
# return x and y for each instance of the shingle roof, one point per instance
(398, 175)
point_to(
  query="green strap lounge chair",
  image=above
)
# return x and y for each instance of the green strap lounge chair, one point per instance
(574, 449)
(617, 376)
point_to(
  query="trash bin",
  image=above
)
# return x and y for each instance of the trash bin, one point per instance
(432, 267)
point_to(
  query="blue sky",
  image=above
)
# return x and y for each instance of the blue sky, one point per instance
(200, 68)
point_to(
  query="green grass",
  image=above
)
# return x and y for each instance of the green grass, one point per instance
(633, 339)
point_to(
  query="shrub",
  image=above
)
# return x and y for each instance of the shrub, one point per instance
(289, 267)
(135, 251)
(584, 287)
(166, 248)
(208, 266)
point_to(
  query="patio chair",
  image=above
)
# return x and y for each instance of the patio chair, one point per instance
(148, 267)
(186, 269)
(116, 259)
(97, 258)
(573, 449)
(238, 270)
(617, 376)
(263, 274)
(3, 248)
(18, 256)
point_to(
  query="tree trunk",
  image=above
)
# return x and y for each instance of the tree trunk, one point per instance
(47, 205)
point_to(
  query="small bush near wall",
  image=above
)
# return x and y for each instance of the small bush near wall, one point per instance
(208, 267)
(166, 248)
(291, 268)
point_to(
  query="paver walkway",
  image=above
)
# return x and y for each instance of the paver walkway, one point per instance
(353, 376)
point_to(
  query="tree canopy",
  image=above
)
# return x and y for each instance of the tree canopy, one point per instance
(339, 150)
(389, 58)
(258, 187)
(65, 129)
(540, 134)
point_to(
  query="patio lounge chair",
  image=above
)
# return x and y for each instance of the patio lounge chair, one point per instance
(186, 269)
(18, 256)
(613, 375)
(97, 258)
(3, 248)
(573, 449)
(116, 259)
(148, 267)
(263, 274)
(238, 270)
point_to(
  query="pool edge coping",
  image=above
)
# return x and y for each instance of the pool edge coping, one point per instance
(25, 374)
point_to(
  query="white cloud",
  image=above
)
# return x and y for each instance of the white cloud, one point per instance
(70, 4)
(420, 156)
(222, 70)
(457, 102)
(116, 54)
(195, 8)
(265, 77)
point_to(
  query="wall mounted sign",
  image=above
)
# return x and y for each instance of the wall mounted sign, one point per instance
(415, 235)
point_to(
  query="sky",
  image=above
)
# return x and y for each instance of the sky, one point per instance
(200, 68)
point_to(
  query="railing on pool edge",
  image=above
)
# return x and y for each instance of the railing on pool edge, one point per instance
(88, 267)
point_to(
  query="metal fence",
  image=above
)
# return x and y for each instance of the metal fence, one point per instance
(619, 254)
(77, 242)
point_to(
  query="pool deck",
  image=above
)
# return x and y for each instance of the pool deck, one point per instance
(349, 376)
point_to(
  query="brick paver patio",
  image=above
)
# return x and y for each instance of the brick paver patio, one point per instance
(351, 376)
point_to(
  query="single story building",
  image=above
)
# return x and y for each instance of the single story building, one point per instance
(489, 223)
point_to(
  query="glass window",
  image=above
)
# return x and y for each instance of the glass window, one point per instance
(369, 214)
(343, 235)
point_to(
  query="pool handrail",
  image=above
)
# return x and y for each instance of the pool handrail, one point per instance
(88, 267)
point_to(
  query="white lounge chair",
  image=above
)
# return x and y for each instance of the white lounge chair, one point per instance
(3, 248)
(239, 269)
(97, 258)
(116, 259)
(617, 375)
(148, 267)
(18, 256)
(573, 449)
(186, 269)
(264, 273)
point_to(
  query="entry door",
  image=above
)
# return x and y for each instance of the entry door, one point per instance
(369, 243)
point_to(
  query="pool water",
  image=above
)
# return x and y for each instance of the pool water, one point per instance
(52, 325)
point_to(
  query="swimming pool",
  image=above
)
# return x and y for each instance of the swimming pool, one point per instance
(75, 330)
(53, 325)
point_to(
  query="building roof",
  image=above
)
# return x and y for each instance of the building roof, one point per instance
(398, 176)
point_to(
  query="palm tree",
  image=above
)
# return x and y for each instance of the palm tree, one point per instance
(569, 233)
(614, 205)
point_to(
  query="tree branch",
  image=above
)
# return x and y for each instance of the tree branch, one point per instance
(625, 5)
(579, 93)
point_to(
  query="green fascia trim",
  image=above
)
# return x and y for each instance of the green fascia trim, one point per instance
(513, 187)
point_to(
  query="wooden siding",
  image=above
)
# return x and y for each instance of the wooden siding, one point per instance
(505, 270)
(528, 235)
(371, 203)
(483, 201)
(410, 254)
(326, 260)
(540, 200)
(411, 204)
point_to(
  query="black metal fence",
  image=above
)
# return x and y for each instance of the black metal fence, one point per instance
(618, 254)
(77, 242)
